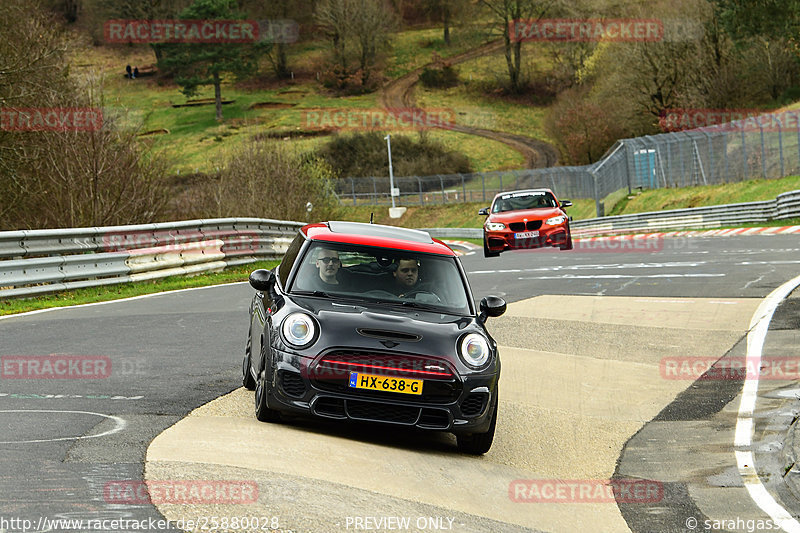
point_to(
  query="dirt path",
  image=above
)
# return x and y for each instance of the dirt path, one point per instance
(399, 94)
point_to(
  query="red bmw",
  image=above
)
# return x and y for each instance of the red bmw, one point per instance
(532, 218)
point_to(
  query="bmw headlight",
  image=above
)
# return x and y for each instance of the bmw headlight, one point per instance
(474, 350)
(554, 221)
(495, 226)
(299, 330)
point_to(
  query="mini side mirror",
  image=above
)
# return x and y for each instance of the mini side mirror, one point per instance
(483, 211)
(492, 306)
(262, 280)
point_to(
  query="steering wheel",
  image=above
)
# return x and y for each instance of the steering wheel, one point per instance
(378, 293)
(426, 292)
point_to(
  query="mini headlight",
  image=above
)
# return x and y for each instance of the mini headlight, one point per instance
(298, 329)
(495, 226)
(474, 350)
(553, 221)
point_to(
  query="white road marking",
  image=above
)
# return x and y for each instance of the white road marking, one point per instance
(610, 266)
(745, 460)
(623, 276)
(119, 425)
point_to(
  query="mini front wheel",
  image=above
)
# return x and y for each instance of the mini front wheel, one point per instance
(479, 443)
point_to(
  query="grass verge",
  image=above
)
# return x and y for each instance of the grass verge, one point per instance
(128, 290)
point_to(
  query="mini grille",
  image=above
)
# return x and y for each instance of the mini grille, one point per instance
(292, 384)
(398, 414)
(473, 405)
(384, 364)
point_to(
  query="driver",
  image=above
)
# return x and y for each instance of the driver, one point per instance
(406, 277)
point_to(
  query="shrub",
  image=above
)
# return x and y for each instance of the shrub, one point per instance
(364, 154)
(440, 78)
(263, 179)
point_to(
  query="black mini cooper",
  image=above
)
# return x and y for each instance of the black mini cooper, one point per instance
(373, 323)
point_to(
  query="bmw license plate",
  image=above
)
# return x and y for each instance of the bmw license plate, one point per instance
(385, 383)
(526, 235)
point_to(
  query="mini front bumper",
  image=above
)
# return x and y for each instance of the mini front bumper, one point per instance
(293, 390)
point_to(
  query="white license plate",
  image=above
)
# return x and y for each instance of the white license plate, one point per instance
(526, 234)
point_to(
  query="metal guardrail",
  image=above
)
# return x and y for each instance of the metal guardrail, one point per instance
(785, 206)
(34, 262)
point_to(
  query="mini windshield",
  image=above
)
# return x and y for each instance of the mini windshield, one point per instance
(530, 200)
(382, 275)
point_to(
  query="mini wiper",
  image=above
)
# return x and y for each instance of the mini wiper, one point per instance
(418, 305)
(320, 294)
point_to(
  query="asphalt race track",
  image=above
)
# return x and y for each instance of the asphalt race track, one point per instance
(599, 382)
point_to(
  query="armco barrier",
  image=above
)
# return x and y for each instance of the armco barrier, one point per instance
(785, 206)
(34, 262)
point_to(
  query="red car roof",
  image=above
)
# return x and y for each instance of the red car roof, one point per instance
(376, 235)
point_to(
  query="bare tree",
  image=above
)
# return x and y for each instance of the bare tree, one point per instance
(64, 178)
(358, 30)
(507, 11)
(145, 10)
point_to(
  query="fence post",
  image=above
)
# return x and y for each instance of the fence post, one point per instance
(441, 182)
(597, 205)
(421, 196)
(353, 187)
(744, 152)
(375, 191)
(671, 175)
(710, 156)
(463, 190)
(797, 121)
(483, 176)
(780, 144)
(763, 151)
(725, 155)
